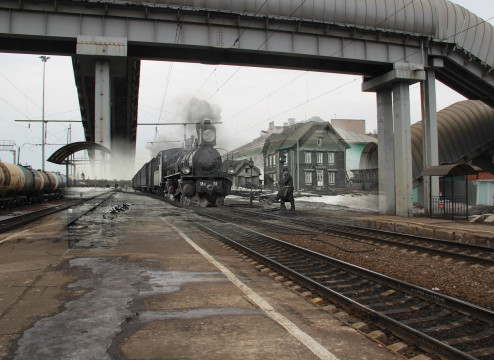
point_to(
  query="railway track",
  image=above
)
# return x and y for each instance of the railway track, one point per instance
(74, 205)
(434, 322)
(448, 249)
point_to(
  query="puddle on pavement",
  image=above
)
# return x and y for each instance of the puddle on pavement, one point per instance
(87, 325)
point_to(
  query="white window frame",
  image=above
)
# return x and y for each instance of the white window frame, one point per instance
(319, 157)
(319, 141)
(308, 178)
(308, 157)
(331, 177)
(331, 158)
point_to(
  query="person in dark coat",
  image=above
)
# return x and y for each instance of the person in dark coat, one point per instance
(285, 193)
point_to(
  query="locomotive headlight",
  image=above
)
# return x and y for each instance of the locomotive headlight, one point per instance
(231, 171)
(186, 170)
(208, 135)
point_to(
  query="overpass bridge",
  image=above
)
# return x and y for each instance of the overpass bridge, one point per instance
(392, 43)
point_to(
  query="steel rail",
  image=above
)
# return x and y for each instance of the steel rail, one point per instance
(310, 259)
(484, 255)
(25, 219)
(98, 203)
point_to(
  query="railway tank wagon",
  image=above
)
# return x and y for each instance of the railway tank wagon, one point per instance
(192, 175)
(23, 185)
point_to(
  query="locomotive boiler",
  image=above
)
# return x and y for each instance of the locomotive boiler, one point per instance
(192, 175)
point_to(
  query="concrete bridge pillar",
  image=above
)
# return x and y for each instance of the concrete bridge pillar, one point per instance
(403, 149)
(103, 59)
(397, 178)
(386, 156)
(102, 112)
(429, 134)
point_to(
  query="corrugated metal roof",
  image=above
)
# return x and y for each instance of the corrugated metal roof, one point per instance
(465, 130)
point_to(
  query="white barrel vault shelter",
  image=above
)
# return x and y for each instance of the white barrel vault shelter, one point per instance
(391, 43)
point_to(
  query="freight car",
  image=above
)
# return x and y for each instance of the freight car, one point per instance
(23, 185)
(191, 175)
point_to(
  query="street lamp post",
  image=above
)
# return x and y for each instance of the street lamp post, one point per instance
(44, 59)
(251, 165)
(282, 163)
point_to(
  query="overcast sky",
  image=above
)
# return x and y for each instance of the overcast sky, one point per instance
(245, 100)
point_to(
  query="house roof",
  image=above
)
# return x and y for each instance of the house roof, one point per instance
(355, 138)
(251, 147)
(239, 165)
(292, 134)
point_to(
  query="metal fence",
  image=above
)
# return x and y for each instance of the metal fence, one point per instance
(450, 207)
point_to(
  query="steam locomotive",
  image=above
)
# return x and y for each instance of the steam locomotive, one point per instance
(24, 185)
(192, 175)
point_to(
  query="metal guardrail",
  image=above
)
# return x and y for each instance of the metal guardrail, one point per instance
(450, 208)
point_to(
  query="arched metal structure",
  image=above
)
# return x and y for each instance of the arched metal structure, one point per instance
(369, 157)
(61, 155)
(465, 133)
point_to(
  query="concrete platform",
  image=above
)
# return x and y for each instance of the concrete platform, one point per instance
(146, 285)
(453, 230)
(460, 230)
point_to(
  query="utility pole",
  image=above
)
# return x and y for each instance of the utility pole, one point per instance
(44, 59)
(44, 122)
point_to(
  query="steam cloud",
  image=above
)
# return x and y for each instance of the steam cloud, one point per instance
(192, 110)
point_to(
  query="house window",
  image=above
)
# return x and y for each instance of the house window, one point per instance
(275, 180)
(308, 178)
(308, 157)
(319, 141)
(319, 157)
(286, 159)
(332, 177)
(331, 158)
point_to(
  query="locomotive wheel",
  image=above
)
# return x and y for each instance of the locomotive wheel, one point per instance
(185, 200)
(203, 202)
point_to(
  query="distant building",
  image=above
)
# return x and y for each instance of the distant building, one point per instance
(358, 175)
(244, 175)
(313, 152)
(253, 149)
(485, 188)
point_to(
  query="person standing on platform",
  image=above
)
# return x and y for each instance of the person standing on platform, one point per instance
(285, 193)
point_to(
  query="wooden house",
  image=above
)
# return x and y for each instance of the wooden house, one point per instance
(245, 174)
(314, 153)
